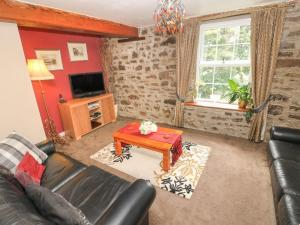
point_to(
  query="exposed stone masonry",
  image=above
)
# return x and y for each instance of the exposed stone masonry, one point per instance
(285, 110)
(144, 77)
(214, 120)
(144, 84)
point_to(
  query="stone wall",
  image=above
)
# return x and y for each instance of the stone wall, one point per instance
(144, 77)
(214, 120)
(144, 83)
(285, 110)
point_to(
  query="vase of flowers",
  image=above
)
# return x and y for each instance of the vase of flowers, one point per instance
(147, 127)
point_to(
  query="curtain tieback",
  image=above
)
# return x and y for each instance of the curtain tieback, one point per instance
(182, 100)
(263, 105)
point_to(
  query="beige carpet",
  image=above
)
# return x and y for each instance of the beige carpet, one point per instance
(181, 179)
(234, 188)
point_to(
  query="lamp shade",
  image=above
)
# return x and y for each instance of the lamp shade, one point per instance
(38, 70)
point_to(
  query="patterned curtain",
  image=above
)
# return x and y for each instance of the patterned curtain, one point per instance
(186, 50)
(266, 29)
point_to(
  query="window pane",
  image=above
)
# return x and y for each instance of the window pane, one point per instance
(204, 91)
(244, 34)
(206, 74)
(209, 53)
(241, 74)
(242, 52)
(210, 37)
(222, 75)
(221, 90)
(226, 35)
(225, 53)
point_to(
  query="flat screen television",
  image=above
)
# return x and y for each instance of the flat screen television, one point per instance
(87, 84)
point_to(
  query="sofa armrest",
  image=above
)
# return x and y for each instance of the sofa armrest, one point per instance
(131, 206)
(285, 134)
(46, 146)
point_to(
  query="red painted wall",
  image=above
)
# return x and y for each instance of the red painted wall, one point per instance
(43, 40)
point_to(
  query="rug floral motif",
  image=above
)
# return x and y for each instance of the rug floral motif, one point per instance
(181, 179)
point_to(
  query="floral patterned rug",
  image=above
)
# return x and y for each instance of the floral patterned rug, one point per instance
(181, 179)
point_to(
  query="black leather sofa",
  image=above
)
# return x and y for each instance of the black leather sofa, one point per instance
(284, 160)
(105, 199)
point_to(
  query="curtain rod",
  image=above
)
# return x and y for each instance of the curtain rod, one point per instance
(241, 12)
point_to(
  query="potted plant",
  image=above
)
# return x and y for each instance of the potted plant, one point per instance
(240, 93)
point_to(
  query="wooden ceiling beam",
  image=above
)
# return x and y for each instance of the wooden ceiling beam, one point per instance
(29, 15)
(131, 39)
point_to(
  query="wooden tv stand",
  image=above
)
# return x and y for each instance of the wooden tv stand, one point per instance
(83, 115)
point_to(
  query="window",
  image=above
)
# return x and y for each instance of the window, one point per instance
(223, 54)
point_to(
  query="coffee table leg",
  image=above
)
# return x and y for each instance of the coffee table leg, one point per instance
(166, 161)
(118, 147)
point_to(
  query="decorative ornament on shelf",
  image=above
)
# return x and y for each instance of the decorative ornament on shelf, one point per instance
(169, 16)
(147, 127)
(61, 99)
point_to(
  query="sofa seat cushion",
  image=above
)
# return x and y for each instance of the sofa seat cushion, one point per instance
(93, 191)
(289, 210)
(15, 207)
(284, 150)
(59, 170)
(54, 207)
(285, 178)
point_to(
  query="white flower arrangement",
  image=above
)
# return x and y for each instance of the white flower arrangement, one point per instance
(147, 127)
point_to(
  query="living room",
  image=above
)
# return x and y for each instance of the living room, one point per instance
(150, 112)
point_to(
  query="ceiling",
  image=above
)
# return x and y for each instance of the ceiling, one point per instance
(139, 13)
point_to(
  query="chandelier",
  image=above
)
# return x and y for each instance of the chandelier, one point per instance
(169, 16)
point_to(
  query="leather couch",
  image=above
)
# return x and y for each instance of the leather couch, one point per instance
(105, 199)
(284, 160)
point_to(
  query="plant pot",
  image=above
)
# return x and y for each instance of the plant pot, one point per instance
(242, 104)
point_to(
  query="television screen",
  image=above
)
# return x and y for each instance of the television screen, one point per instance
(87, 84)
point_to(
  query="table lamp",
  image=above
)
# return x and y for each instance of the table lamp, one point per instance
(39, 72)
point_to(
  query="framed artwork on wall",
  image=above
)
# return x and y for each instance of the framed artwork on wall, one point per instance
(77, 51)
(52, 58)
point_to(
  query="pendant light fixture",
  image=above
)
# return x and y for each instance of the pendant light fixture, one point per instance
(169, 16)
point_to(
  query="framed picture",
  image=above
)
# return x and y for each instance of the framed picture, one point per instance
(52, 58)
(77, 51)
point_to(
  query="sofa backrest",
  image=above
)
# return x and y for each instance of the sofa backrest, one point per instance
(46, 146)
(285, 134)
(15, 207)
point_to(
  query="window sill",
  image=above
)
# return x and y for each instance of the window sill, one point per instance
(216, 106)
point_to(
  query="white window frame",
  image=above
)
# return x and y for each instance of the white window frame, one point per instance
(237, 21)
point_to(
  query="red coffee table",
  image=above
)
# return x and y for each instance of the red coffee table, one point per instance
(130, 135)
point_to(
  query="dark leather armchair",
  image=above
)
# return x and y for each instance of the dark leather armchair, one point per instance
(284, 160)
(285, 134)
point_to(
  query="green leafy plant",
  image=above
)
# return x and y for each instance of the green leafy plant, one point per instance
(237, 92)
(242, 94)
(248, 115)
